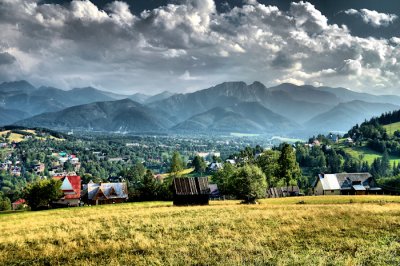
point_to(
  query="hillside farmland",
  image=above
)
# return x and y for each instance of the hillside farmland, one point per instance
(341, 230)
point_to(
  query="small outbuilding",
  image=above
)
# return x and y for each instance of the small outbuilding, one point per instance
(191, 191)
(279, 192)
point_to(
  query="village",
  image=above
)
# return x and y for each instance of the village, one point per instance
(80, 167)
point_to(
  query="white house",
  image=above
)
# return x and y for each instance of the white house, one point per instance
(345, 184)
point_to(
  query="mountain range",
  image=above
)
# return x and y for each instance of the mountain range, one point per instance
(285, 109)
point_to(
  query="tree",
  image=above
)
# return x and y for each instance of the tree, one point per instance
(150, 187)
(176, 164)
(385, 163)
(288, 167)
(223, 178)
(134, 173)
(5, 203)
(268, 162)
(199, 164)
(68, 166)
(249, 183)
(216, 159)
(334, 162)
(41, 193)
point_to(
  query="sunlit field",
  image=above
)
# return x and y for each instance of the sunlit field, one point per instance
(334, 230)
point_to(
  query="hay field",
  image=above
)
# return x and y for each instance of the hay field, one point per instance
(326, 230)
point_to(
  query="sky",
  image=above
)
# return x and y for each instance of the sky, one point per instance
(185, 45)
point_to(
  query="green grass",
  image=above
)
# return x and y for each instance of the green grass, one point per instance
(391, 128)
(181, 173)
(366, 154)
(326, 230)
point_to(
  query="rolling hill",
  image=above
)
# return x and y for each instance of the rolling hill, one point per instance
(114, 116)
(245, 117)
(346, 95)
(8, 116)
(345, 115)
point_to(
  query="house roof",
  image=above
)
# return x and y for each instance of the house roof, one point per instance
(214, 191)
(346, 181)
(102, 191)
(191, 186)
(329, 181)
(19, 201)
(71, 186)
(359, 187)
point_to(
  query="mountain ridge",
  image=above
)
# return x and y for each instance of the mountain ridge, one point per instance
(307, 107)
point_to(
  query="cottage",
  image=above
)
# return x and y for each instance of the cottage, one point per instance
(4, 166)
(105, 193)
(278, 192)
(345, 184)
(231, 161)
(71, 187)
(214, 191)
(214, 167)
(20, 203)
(38, 168)
(15, 171)
(333, 137)
(191, 191)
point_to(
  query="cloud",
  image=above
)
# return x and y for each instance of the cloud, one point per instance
(186, 76)
(373, 17)
(80, 44)
(6, 58)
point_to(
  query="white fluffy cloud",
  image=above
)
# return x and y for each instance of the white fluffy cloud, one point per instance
(373, 17)
(189, 45)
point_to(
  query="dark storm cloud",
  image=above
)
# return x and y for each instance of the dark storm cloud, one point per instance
(282, 61)
(6, 59)
(192, 44)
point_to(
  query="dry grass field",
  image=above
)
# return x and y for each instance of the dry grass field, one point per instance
(334, 230)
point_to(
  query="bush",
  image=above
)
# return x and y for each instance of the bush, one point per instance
(5, 204)
(249, 183)
(41, 193)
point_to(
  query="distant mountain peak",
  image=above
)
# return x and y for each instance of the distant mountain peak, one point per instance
(16, 85)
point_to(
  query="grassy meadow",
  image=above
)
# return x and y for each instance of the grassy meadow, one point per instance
(326, 230)
(391, 128)
(365, 154)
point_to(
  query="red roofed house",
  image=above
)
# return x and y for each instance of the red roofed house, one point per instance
(16, 204)
(71, 186)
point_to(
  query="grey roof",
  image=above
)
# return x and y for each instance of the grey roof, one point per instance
(109, 190)
(359, 187)
(329, 181)
(214, 191)
(346, 181)
(191, 186)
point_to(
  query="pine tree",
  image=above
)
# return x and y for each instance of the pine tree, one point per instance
(176, 164)
(199, 164)
(385, 165)
(288, 167)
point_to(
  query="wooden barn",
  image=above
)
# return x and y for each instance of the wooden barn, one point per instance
(191, 191)
(279, 192)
